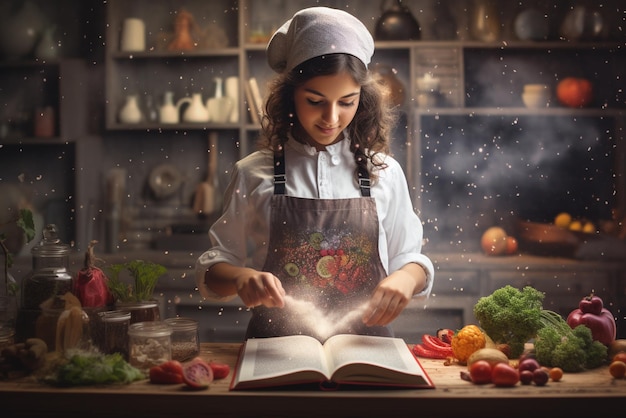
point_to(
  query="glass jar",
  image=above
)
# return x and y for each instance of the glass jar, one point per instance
(185, 338)
(46, 326)
(115, 326)
(140, 311)
(149, 344)
(7, 337)
(45, 285)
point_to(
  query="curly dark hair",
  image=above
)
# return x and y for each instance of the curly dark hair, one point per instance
(369, 130)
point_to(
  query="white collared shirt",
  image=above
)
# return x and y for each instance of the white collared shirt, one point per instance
(241, 235)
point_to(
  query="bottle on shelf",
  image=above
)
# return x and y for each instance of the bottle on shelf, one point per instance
(130, 112)
(168, 112)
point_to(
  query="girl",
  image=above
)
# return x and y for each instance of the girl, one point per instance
(322, 213)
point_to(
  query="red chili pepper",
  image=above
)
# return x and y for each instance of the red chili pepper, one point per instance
(433, 343)
(421, 351)
(601, 324)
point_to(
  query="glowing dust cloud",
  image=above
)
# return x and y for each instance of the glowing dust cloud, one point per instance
(323, 325)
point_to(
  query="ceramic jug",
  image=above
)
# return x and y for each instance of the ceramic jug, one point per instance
(232, 92)
(196, 111)
(168, 112)
(219, 106)
(130, 112)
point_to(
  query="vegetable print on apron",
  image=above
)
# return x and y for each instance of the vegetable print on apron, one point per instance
(324, 251)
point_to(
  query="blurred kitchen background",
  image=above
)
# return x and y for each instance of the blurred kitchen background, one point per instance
(112, 128)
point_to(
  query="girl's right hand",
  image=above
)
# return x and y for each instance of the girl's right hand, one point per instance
(260, 288)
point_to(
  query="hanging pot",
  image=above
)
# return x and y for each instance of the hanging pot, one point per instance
(397, 24)
(21, 23)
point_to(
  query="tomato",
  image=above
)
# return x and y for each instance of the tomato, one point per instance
(511, 245)
(170, 372)
(480, 372)
(220, 370)
(493, 241)
(621, 356)
(574, 92)
(504, 375)
(197, 373)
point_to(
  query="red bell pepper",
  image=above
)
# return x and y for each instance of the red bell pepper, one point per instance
(592, 313)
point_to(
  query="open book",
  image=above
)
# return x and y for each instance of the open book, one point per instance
(342, 360)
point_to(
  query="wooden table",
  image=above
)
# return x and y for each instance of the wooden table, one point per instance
(589, 394)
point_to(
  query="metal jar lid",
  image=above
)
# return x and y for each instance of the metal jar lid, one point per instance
(51, 245)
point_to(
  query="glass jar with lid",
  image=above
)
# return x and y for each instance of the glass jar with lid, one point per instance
(150, 344)
(45, 285)
(185, 338)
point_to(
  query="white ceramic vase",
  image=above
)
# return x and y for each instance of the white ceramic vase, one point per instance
(130, 112)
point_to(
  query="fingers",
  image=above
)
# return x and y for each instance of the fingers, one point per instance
(261, 288)
(383, 308)
(390, 298)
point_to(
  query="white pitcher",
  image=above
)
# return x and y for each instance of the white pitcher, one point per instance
(196, 111)
(168, 112)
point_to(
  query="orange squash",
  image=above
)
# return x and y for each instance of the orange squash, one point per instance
(574, 92)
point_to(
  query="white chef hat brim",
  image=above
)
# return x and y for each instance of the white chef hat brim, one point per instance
(318, 31)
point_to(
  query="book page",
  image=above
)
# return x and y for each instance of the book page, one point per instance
(372, 358)
(266, 358)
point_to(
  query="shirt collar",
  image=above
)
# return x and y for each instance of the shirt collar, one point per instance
(337, 148)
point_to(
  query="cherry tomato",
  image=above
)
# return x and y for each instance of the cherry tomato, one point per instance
(197, 373)
(220, 370)
(480, 372)
(556, 374)
(504, 375)
(621, 356)
(168, 373)
(617, 369)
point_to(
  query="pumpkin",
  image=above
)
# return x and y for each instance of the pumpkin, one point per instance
(574, 92)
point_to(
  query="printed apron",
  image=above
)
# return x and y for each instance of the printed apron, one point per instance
(325, 253)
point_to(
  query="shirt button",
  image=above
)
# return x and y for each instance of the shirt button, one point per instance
(335, 160)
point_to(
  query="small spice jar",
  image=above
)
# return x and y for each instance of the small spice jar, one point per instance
(149, 344)
(185, 338)
(115, 326)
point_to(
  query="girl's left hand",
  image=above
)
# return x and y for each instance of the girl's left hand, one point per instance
(392, 295)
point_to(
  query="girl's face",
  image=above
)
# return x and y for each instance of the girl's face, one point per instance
(325, 105)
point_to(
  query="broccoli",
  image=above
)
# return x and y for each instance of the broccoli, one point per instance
(573, 350)
(510, 316)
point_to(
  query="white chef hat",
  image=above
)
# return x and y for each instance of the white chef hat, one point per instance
(318, 31)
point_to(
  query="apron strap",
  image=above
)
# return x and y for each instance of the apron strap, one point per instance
(280, 179)
(364, 182)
